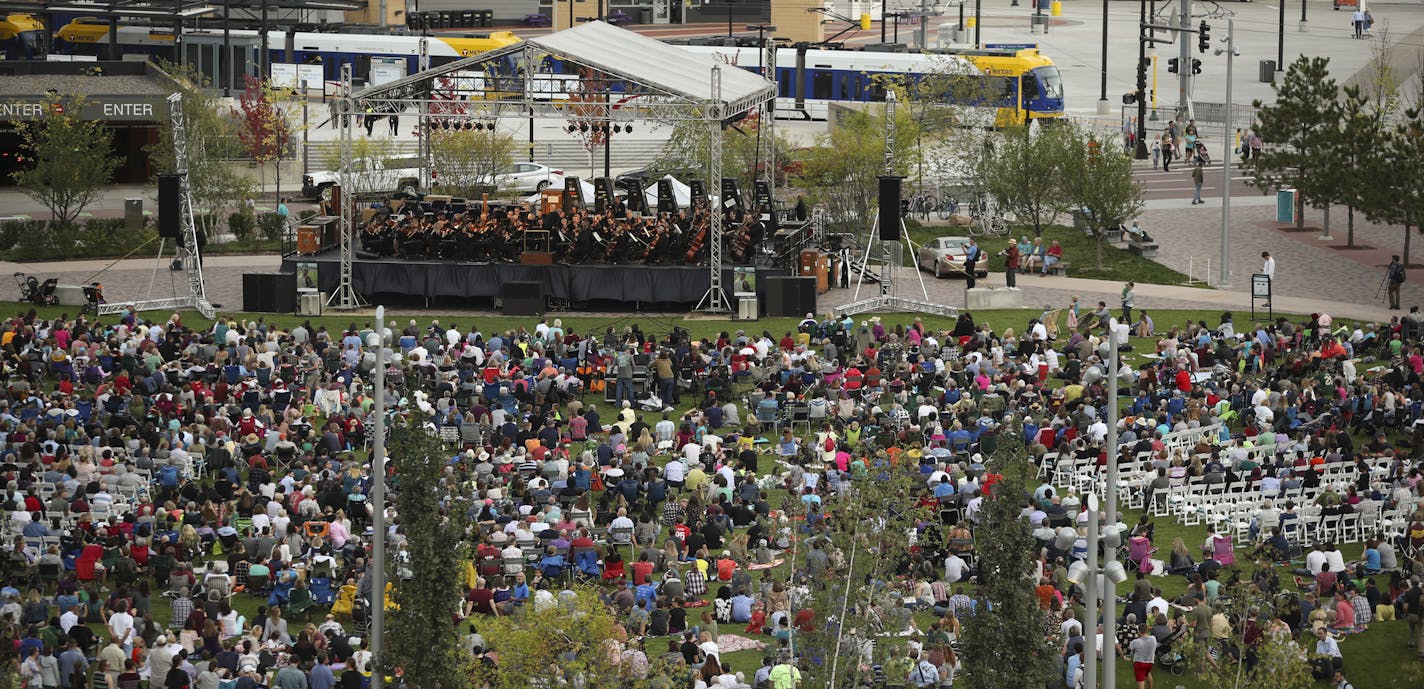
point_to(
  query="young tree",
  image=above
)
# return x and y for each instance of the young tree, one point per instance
(1298, 125)
(1026, 171)
(70, 160)
(1356, 160)
(1099, 181)
(468, 159)
(422, 641)
(363, 150)
(264, 125)
(574, 639)
(1005, 648)
(211, 135)
(840, 171)
(686, 150)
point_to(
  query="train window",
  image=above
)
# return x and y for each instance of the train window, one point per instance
(785, 85)
(843, 86)
(821, 84)
(877, 91)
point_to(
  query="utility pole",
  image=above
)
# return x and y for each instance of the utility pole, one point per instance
(1226, 163)
(1184, 72)
(923, 34)
(378, 506)
(1103, 107)
(1140, 151)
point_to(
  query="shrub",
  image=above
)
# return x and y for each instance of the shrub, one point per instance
(240, 224)
(270, 225)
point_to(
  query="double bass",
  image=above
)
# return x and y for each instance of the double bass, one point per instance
(698, 240)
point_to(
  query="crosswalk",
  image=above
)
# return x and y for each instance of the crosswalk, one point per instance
(1177, 182)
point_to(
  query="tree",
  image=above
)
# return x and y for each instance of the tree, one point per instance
(1098, 180)
(1004, 646)
(1298, 125)
(264, 125)
(575, 638)
(840, 171)
(1356, 159)
(686, 152)
(363, 149)
(211, 136)
(422, 641)
(70, 160)
(469, 159)
(1276, 660)
(1025, 169)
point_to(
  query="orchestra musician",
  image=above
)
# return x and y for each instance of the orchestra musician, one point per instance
(614, 236)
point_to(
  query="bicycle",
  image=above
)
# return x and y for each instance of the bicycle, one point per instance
(948, 205)
(988, 218)
(922, 205)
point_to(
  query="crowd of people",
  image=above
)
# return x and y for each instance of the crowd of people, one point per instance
(148, 460)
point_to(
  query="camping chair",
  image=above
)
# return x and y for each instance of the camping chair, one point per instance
(299, 601)
(321, 592)
(1223, 550)
(345, 603)
(1139, 554)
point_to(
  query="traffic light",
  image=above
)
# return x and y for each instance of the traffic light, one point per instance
(1196, 66)
(1204, 37)
(1129, 98)
(1173, 65)
(904, 208)
(1142, 71)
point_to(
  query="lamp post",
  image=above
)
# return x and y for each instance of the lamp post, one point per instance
(1280, 42)
(762, 30)
(978, 23)
(1090, 575)
(729, 18)
(378, 502)
(1226, 161)
(1103, 107)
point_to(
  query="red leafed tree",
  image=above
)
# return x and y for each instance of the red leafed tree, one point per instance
(264, 129)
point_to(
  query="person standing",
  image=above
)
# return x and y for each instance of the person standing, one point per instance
(1129, 300)
(1268, 265)
(1166, 152)
(623, 371)
(1394, 278)
(1358, 19)
(1156, 152)
(971, 259)
(1197, 178)
(1011, 264)
(1143, 650)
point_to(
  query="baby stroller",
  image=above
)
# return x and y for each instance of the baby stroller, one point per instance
(31, 290)
(1169, 653)
(93, 296)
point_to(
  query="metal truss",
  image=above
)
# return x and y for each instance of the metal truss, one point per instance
(345, 296)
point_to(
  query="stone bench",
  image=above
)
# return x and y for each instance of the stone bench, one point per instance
(1060, 268)
(1143, 249)
(984, 298)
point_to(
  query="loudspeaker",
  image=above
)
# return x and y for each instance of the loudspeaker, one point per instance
(523, 298)
(573, 195)
(789, 296)
(698, 191)
(133, 215)
(269, 292)
(667, 201)
(889, 209)
(602, 194)
(169, 225)
(731, 197)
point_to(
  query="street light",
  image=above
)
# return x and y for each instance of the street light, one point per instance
(762, 30)
(1230, 51)
(1090, 575)
(378, 339)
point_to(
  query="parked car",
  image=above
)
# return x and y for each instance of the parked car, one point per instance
(944, 256)
(373, 176)
(529, 177)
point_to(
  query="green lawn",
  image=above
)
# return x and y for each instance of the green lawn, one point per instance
(1377, 658)
(1119, 264)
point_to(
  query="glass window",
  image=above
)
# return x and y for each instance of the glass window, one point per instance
(844, 82)
(821, 84)
(785, 82)
(1052, 82)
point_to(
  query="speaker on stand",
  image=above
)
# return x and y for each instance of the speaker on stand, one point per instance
(889, 215)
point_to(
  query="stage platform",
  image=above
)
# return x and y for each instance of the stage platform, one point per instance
(574, 284)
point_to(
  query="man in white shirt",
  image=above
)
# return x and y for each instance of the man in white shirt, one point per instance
(675, 472)
(71, 618)
(121, 627)
(954, 568)
(1315, 559)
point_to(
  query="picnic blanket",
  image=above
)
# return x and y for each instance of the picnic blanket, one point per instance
(731, 643)
(768, 565)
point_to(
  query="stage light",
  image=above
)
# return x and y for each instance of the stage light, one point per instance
(628, 128)
(583, 128)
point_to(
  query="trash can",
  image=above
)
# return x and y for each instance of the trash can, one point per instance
(644, 15)
(1268, 71)
(1285, 206)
